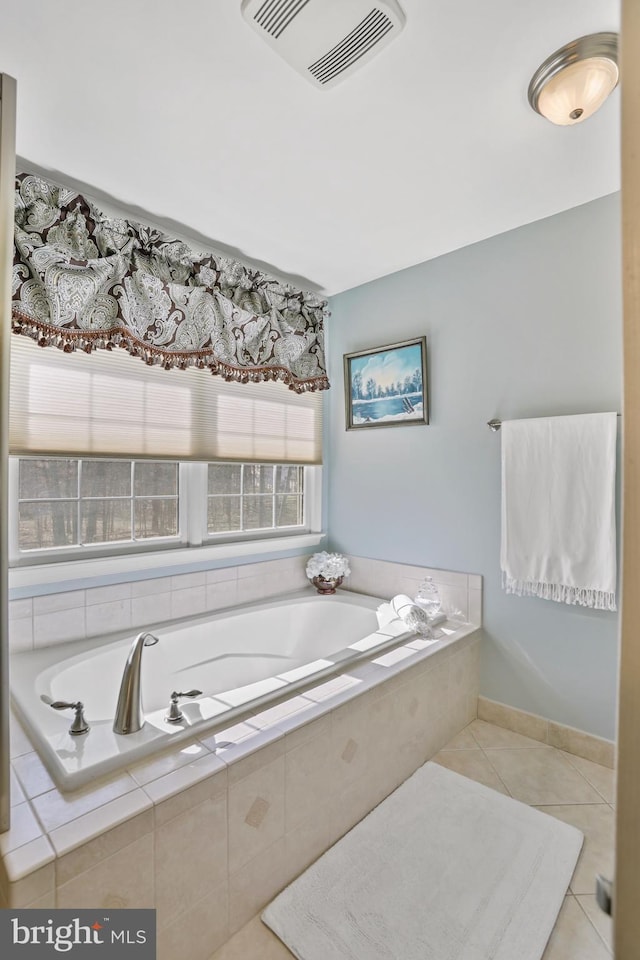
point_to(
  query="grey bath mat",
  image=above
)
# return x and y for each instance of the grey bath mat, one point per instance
(443, 869)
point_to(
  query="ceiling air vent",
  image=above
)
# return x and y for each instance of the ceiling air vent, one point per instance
(325, 40)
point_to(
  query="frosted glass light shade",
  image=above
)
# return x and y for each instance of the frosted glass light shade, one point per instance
(576, 80)
(578, 90)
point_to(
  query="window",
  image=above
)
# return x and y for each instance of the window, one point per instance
(69, 502)
(71, 507)
(254, 496)
(111, 457)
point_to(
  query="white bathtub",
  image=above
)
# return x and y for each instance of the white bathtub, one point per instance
(240, 659)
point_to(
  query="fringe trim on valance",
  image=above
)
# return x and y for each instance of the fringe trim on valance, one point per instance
(561, 593)
(70, 341)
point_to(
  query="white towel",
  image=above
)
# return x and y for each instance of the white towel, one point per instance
(410, 613)
(558, 509)
(385, 614)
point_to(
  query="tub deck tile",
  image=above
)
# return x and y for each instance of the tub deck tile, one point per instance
(32, 774)
(286, 722)
(247, 757)
(24, 861)
(24, 828)
(158, 766)
(236, 745)
(16, 792)
(70, 864)
(83, 829)
(294, 707)
(332, 688)
(55, 808)
(189, 775)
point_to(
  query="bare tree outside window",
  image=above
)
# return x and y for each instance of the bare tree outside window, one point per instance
(48, 494)
(265, 497)
(65, 502)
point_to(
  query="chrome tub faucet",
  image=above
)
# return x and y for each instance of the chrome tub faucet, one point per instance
(129, 717)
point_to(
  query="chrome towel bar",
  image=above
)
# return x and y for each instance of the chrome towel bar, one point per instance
(495, 424)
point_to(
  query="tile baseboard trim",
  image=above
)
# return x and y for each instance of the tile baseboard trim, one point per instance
(574, 741)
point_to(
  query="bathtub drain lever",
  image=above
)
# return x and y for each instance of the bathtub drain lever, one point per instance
(79, 724)
(174, 714)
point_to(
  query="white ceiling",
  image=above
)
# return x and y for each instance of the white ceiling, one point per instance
(180, 112)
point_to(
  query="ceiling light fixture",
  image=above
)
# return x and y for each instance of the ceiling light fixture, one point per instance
(575, 81)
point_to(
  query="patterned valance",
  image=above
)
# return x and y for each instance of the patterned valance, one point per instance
(83, 281)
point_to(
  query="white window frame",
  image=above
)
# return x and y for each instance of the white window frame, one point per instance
(262, 532)
(18, 557)
(194, 548)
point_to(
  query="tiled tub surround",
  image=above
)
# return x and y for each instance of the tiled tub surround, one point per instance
(60, 616)
(210, 832)
(460, 593)
(236, 660)
(54, 615)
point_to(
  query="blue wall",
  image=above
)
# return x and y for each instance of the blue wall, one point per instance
(525, 324)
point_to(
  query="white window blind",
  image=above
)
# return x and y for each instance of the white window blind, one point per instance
(111, 404)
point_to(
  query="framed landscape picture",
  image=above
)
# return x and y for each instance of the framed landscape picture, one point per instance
(387, 386)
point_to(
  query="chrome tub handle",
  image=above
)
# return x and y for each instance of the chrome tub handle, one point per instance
(174, 714)
(79, 724)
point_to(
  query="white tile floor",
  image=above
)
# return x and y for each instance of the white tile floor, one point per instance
(570, 788)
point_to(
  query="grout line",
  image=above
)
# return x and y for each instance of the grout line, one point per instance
(556, 750)
(568, 756)
(559, 753)
(494, 769)
(580, 774)
(45, 832)
(606, 945)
